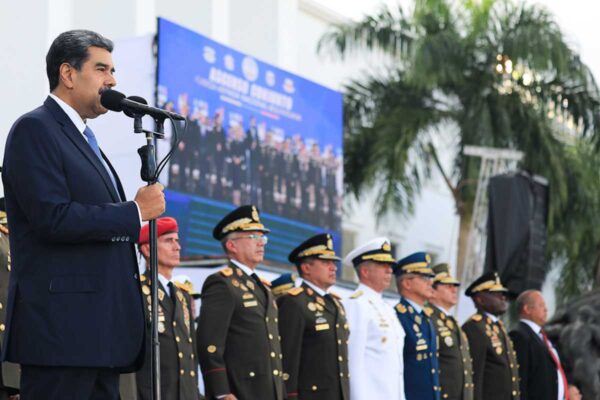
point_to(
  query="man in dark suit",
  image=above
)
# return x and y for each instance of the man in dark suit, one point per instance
(176, 333)
(238, 339)
(538, 359)
(421, 369)
(313, 326)
(75, 315)
(495, 368)
(456, 370)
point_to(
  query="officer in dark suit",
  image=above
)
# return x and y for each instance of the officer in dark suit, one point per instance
(176, 333)
(456, 369)
(9, 372)
(421, 371)
(538, 359)
(495, 369)
(238, 338)
(313, 326)
(75, 314)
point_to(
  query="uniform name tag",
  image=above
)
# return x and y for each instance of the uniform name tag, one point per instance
(321, 327)
(250, 303)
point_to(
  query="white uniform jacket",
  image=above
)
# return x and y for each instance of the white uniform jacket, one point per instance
(375, 348)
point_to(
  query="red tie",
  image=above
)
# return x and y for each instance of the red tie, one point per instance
(556, 362)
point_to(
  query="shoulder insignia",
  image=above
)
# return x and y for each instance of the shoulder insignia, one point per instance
(357, 294)
(477, 317)
(265, 282)
(401, 308)
(335, 295)
(227, 271)
(428, 311)
(183, 286)
(295, 291)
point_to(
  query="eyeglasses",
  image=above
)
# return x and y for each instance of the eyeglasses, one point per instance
(258, 238)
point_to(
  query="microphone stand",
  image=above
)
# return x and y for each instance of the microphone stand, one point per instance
(148, 174)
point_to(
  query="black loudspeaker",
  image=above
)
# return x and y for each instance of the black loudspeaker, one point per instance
(517, 230)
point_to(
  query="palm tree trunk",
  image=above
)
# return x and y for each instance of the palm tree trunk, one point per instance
(463, 243)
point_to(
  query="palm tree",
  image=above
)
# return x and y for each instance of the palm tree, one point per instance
(499, 73)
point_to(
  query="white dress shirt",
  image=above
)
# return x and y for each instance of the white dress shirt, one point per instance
(375, 347)
(247, 270)
(165, 283)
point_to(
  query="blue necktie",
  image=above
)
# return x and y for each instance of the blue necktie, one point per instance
(89, 134)
(92, 141)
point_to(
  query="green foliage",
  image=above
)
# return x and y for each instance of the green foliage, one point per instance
(500, 71)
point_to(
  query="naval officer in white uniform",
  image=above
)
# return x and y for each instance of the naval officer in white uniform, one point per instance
(375, 348)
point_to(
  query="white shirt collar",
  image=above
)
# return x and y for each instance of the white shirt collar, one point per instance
(247, 270)
(369, 292)
(165, 283)
(317, 289)
(71, 113)
(491, 316)
(417, 307)
(534, 327)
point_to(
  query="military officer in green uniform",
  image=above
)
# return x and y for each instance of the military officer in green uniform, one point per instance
(495, 368)
(238, 337)
(178, 362)
(313, 326)
(9, 372)
(456, 370)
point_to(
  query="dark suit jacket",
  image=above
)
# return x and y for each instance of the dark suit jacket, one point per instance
(537, 370)
(314, 336)
(238, 339)
(74, 295)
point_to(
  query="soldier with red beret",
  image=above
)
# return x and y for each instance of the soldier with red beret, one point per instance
(178, 363)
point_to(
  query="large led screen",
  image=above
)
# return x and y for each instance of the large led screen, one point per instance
(255, 134)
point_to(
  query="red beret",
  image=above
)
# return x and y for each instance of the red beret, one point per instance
(163, 225)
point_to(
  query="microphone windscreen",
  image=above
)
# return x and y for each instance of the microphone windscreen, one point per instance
(111, 100)
(137, 99)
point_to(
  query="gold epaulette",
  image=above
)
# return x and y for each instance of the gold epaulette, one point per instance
(265, 282)
(335, 295)
(428, 311)
(357, 294)
(227, 271)
(184, 286)
(477, 317)
(295, 291)
(400, 308)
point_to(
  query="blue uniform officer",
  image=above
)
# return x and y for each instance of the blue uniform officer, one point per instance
(421, 371)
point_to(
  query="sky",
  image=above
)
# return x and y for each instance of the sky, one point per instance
(577, 18)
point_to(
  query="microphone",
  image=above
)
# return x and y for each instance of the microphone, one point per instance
(116, 101)
(137, 99)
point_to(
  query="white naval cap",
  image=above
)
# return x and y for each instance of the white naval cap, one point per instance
(378, 249)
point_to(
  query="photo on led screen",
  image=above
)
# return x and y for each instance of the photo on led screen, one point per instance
(255, 134)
